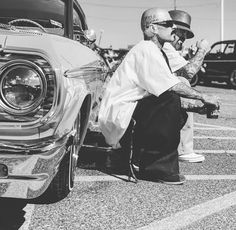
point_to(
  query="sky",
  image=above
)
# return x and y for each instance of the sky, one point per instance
(117, 23)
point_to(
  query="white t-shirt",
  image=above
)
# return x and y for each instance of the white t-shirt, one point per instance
(144, 71)
(176, 61)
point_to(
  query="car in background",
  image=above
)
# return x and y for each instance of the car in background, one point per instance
(219, 64)
(49, 83)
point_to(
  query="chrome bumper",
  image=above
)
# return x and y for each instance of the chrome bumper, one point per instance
(31, 171)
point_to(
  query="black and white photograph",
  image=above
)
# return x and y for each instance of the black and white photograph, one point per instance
(117, 115)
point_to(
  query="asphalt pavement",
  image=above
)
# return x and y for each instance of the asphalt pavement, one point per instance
(103, 200)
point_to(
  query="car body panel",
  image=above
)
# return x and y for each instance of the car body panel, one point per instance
(33, 150)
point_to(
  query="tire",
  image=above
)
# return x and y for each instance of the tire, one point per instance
(63, 182)
(232, 79)
(194, 80)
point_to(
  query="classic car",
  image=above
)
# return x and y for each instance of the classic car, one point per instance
(219, 64)
(49, 82)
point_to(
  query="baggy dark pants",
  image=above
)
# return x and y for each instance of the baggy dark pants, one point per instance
(157, 134)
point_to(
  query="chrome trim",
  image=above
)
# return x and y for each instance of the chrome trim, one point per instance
(35, 146)
(96, 69)
(11, 109)
(56, 72)
(31, 166)
(29, 175)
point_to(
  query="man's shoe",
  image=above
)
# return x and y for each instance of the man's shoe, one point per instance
(176, 179)
(192, 157)
(173, 180)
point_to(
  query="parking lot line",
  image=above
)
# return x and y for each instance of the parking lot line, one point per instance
(215, 137)
(196, 213)
(124, 177)
(217, 151)
(213, 126)
(210, 177)
(29, 210)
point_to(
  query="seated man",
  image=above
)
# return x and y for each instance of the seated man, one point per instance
(143, 88)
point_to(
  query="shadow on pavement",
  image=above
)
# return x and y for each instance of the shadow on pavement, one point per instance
(11, 213)
(109, 162)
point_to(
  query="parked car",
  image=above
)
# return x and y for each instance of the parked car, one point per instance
(49, 81)
(219, 64)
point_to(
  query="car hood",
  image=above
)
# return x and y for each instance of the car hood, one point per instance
(60, 51)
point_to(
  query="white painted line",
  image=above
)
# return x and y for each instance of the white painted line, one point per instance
(29, 209)
(210, 177)
(100, 178)
(124, 177)
(214, 128)
(196, 213)
(214, 137)
(202, 124)
(228, 104)
(215, 151)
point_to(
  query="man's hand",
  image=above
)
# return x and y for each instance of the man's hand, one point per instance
(210, 100)
(187, 92)
(203, 45)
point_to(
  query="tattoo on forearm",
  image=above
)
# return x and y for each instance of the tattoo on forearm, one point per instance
(185, 91)
(194, 65)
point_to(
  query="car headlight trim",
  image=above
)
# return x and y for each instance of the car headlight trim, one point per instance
(22, 87)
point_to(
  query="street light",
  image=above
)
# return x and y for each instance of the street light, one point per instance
(222, 23)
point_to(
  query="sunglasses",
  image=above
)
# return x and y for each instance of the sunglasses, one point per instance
(165, 24)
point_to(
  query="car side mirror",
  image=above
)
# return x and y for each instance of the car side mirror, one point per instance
(90, 34)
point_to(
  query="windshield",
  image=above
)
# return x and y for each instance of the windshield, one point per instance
(48, 13)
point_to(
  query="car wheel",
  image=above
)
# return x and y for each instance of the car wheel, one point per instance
(194, 80)
(232, 79)
(63, 182)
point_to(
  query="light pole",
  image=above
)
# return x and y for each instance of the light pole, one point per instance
(100, 37)
(222, 23)
(174, 4)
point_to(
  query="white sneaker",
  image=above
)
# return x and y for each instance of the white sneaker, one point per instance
(192, 157)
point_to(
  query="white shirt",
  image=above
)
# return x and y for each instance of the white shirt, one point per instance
(176, 61)
(143, 71)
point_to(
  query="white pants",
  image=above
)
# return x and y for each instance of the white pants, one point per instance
(186, 133)
(186, 137)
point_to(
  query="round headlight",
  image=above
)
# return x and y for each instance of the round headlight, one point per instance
(22, 86)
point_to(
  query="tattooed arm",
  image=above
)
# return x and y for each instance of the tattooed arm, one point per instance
(185, 91)
(194, 65)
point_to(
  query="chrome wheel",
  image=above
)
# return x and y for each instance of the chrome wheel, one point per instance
(63, 182)
(73, 150)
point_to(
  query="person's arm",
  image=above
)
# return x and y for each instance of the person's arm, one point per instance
(185, 91)
(194, 64)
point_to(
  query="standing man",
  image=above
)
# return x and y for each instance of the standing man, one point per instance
(143, 88)
(185, 70)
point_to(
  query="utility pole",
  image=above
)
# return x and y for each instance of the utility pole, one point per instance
(100, 37)
(222, 20)
(174, 4)
(222, 23)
